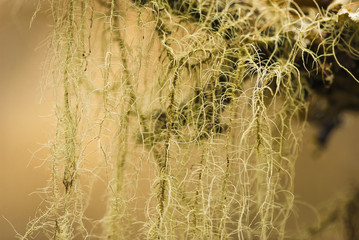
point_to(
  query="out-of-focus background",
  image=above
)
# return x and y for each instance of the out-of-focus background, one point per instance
(26, 124)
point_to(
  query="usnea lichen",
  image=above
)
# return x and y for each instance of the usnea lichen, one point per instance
(204, 100)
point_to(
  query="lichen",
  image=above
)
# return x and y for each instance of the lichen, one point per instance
(206, 100)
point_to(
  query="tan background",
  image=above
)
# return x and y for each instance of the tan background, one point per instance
(26, 124)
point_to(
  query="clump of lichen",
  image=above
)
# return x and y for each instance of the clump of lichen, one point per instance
(202, 99)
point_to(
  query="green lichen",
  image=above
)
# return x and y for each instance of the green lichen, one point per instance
(202, 99)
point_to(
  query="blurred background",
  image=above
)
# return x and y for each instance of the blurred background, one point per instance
(324, 178)
(25, 114)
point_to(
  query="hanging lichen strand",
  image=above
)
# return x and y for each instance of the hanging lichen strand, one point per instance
(190, 112)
